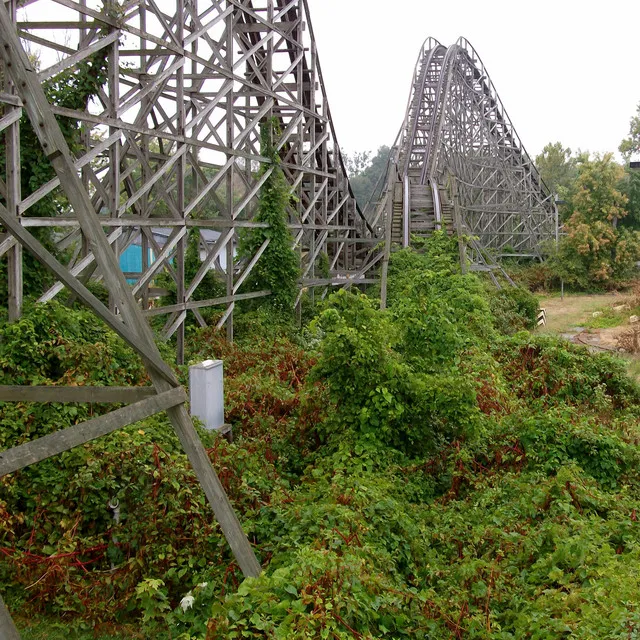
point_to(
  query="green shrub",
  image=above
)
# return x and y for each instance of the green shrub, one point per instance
(513, 309)
(409, 473)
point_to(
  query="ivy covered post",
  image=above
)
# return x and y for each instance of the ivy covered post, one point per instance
(276, 265)
(26, 168)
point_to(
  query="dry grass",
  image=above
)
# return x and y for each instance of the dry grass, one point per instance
(576, 310)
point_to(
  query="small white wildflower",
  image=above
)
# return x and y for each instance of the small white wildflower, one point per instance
(187, 602)
(202, 585)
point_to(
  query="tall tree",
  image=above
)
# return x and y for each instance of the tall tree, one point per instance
(558, 168)
(365, 171)
(631, 184)
(631, 145)
(597, 251)
(356, 162)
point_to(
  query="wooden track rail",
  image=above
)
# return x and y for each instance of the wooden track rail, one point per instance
(459, 164)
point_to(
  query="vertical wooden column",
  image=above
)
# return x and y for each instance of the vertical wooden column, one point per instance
(144, 144)
(269, 65)
(388, 229)
(113, 84)
(309, 177)
(14, 255)
(230, 175)
(457, 222)
(180, 178)
(8, 630)
(85, 137)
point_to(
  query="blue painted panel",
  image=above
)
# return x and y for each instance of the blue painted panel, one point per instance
(131, 260)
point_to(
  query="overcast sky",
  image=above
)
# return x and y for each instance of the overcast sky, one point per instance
(566, 70)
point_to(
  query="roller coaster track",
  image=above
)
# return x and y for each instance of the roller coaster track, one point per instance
(171, 147)
(458, 163)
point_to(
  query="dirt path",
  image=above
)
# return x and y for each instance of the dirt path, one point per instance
(574, 310)
(568, 318)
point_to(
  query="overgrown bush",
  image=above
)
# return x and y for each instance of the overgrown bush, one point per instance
(409, 473)
(513, 309)
(58, 535)
(376, 391)
(538, 277)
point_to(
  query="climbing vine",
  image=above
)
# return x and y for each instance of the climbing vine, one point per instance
(278, 268)
(71, 89)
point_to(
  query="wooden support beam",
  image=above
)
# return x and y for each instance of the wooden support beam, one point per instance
(202, 304)
(50, 445)
(22, 393)
(8, 630)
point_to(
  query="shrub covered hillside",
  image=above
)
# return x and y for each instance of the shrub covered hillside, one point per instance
(431, 471)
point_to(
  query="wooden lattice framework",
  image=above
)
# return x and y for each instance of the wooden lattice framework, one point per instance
(457, 141)
(171, 141)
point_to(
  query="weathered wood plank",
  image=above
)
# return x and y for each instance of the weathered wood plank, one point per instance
(55, 443)
(200, 304)
(6, 242)
(22, 393)
(8, 630)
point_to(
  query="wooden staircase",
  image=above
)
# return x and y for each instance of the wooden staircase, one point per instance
(396, 223)
(423, 223)
(422, 215)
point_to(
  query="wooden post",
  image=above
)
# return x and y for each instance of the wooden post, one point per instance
(8, 630)
(388, 225)
(462, 246)
(229, 257)
(14, 256)
(114, 161)
(180, 189)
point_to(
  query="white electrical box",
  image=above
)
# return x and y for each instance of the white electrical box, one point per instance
(206, 389)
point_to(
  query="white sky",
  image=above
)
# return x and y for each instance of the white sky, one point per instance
(566, 70)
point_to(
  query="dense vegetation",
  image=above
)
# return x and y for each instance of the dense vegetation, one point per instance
(431, 471)
(600, 213)
(597, 250)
